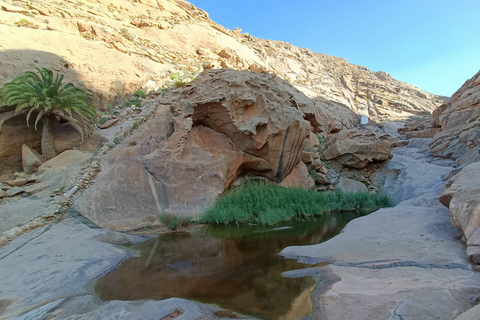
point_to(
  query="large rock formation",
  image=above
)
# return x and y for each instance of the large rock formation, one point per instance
(357, 147)
(329, 117)
(157, 39)
(462, 197)
(224, 125)
(459, 120)
(153, 39)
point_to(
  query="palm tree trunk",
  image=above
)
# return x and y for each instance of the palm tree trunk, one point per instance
(48, 150)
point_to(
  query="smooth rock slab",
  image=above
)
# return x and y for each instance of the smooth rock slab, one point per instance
(86, 308)
(471, 314)
(16, 213)
(398, 293)
(50, 274)
(409, 176)
(404, 263)
(55, 263)
(14, 191)
(404, 233)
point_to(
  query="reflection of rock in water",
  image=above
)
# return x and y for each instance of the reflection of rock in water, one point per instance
(301, 307)
(235, 268)
(332, 224)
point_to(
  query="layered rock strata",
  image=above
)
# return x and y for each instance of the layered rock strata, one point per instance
(459, 120)
(358, 147)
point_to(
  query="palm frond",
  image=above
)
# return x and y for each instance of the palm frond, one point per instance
(46, 94)
(39, 116)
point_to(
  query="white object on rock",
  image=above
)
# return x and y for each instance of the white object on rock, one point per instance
(71, 192)
(364, 120)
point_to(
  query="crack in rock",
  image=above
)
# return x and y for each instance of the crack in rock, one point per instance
(383, 265)
(379, 264)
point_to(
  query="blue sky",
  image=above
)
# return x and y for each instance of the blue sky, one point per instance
(434, 45)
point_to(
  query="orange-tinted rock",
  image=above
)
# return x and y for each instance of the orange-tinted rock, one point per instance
(224, 125)
(461, 196)
(357, 147)
(299, 178)
(329, 117)
(309, 157)
(312, 141)
(459, 119)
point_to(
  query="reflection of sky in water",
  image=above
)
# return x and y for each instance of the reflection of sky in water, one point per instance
(235, 267)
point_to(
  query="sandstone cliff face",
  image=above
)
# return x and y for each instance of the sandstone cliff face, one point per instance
(461, 196)
(375, 94)
(222, 126)
(459, 123)
(112, 49)
(117, 47)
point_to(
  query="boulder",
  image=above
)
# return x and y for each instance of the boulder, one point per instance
(109, 123)
(299, 178)
(309, 156)
(62, 162)
(328, 116)
(224, 125)
(459, 120)
(322, 178)
(350, 186)
(31, 159)
(17, 182)
(14, 191)
(15, 133)
(357, 147)
(312, 141)
(461, 196)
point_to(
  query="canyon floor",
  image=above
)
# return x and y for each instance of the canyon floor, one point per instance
(406, 262)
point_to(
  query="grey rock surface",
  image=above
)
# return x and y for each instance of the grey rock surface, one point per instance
(50, 274)
(52, 264)
(405, 263)
(349, 185)
(390, 237)
(471, 314)
(16, 213)
(411, 176)
(400, 263)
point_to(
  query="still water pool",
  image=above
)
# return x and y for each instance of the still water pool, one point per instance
(235, 267)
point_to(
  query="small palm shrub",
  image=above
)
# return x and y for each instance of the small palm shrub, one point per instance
(45, 97)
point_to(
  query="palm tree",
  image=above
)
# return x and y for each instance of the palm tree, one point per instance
(51, 101)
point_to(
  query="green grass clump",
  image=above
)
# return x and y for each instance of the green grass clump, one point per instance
(139, 93)
(261, 203)
(172, 221)
(135, 101)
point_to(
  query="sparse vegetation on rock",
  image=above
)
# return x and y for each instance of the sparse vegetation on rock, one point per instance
(262, 203)
(26, 24)
(49, 101)
(173, 221)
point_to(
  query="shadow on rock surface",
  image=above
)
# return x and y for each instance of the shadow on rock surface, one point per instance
(14, 132)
